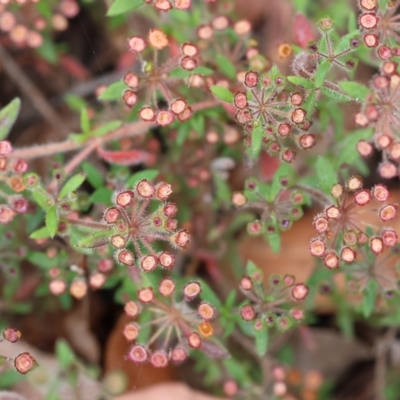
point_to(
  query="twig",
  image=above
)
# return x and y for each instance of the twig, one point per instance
(32, 92)
(128, 130)
(382, 347)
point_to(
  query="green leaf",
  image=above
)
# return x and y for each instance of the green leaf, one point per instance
(383, 4)
(85, 120)
(108, 127)
(321, 73)
(8, 115)
(302, 82)
(333, 94)
(123, 6)
(94, 176)
(354, 89)
(309, 103)
(226, 66)
(222, 189)
(96, 239)
(48, 50)
(183, 73)
(44, 9)
(274, 241)
(251, 268)
(261, 341)
(65, 355)
(222, 94)
(149, 174)
(41, 233)
(40, 259)
(72, 184)
(52, 221)
(43, 199)
(75, 102)
(256, 139)
(327, 176)
(369, 299)
(114, 91)
(101, 195)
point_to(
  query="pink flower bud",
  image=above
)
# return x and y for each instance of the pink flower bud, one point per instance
(300, 291)
(24, 363)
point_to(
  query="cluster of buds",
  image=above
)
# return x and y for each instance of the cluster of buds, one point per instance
(353, 220)
(25, 26)
(156, 78)
(10, 174)
(294, 382)
(381, 110)
(379, 26)
(81, 280)
(271, 307)
(237, 51)
(166, 5)
(277, 210)
(177, 326)
(23, 362)
(128, 222)
(270, 106)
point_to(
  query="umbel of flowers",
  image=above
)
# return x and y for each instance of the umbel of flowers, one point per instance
(130, 229)
(176, 327)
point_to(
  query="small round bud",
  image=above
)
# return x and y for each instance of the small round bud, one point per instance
(124, 198)
(147, 114)
(166, 260)
(166, 287)
(146, 295)
(159, 359)
(317, 247)
(389, 238)
(206, 311)
(362, 197)
(380, 192)
(149, 263)
(158, 39)
(247, 312)
(220, 23)
(371, 40)
(368, 5)
(125, 257)
(255, 228)
(190, 50)
(163, 191)
(240, 100)
(118, 241)
(5, 148)
(194, 340)
(97, 280)
(354, 183)
(111, 215)
(368, 20)
(297, 314)
(307, 141)
(137, 354)
(131, 80)
(348, 255)
(298, 115)
(178, 354)
(57, 287)
(300, 291)
(321, 224)
(331, 260)
(376, 245)
(181, 238)
(178, 106)
(251, 79)
(284, 130)
(325, 24)
(191, 290)
(364, 148)
(24, 363)
(188, 63)
(145, 189)
(285, 50)
(246, 283)
(162, 5)
(388, 212)
(239, 199)
(164, 117)
(131, 309)
(242, 27)
(387, 170)
(333, 212)
(11, 335)
(131, 331)
(384, 52)
(205, 32)
(206, 329)
(78, 288)
(136, 44)
(361, 120)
